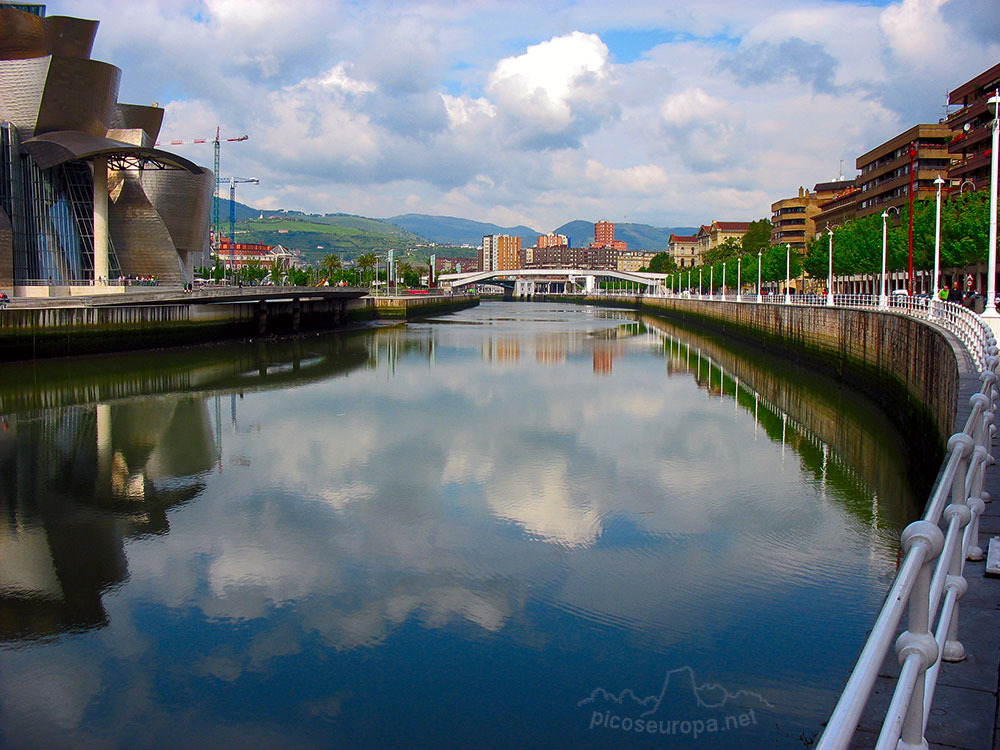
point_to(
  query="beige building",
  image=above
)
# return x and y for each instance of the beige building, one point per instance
(712, 235)
(684, 250)
(633, 260)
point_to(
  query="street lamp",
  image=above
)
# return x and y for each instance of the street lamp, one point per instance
(937, 241)
(723, 280)
(711, 281)
(829, 278)
(991, 280)
(788, 274)
(739, 279)
(760, 255)
(883, 300)
(699, 281)
(689, 283)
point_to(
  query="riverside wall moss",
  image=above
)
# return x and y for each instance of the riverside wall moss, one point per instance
(906, 366)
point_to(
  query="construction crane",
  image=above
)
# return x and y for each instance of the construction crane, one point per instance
(232, 209)
(216, 225)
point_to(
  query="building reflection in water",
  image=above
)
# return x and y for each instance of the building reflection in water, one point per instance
(89, 461)
(76, 483)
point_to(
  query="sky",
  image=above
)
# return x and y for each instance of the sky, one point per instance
(666, 112)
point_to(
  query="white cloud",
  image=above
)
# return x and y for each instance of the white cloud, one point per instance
(382, 108)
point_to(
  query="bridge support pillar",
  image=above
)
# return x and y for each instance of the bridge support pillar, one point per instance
(261, 318)
(296, 314)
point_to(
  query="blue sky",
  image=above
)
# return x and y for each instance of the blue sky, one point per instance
(671, 113)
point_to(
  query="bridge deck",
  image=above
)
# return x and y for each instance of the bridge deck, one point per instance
(965, 714)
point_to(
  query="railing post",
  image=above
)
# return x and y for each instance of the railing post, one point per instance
(917, 640)
(953, 650)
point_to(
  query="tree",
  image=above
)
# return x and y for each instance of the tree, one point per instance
(330, 265)
(725, 250)
(662, 263)
(757, 237)
(367, 261)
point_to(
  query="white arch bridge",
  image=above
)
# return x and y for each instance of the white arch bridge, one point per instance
(526, 282)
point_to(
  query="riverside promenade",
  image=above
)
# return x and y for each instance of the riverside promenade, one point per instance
(965, 714)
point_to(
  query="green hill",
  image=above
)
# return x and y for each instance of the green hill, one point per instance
(315, 236)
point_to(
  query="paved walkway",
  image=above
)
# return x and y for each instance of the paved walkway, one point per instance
(965, 714)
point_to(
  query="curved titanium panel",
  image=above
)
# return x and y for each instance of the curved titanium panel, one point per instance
(142, 243)
(184, 202)
(130, 116)
(70, 37)
(50, 149)
(22, 84)
(79, 95)
(22, 35)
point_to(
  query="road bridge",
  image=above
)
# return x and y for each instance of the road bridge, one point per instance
(526, 282)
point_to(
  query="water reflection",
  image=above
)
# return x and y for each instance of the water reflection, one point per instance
(401, 537)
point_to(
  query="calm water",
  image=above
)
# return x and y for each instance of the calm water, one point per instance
(517, 526)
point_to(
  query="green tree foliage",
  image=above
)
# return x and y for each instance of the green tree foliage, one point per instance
(730, 248)
(757, 238)
(857, 244)
(366, 262)
(330, 266)
(662, 263)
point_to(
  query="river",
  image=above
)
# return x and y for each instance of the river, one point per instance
(517, 526)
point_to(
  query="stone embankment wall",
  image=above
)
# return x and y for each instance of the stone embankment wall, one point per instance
(31, 332)
(904, 364)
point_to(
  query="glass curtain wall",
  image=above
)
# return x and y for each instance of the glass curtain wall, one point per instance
(51, 213)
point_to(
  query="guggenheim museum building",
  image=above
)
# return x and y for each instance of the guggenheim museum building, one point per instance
(85, 197)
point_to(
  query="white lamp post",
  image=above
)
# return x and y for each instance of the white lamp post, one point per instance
(937, 244)
(990, 313)
(883, 300)
(699, 282)
(760, 255)
(739, 279)
(723, 279)
(788, 274)
(689, 284)
(829, 278)
(711, 282)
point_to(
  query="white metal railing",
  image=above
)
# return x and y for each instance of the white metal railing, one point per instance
(929, 582)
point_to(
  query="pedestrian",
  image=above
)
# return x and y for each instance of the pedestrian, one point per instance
(943, 294)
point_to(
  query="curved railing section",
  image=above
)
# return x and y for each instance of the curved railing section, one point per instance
(929, 583)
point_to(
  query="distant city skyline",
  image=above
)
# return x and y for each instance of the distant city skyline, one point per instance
(540, 113)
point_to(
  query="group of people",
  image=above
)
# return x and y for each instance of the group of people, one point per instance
(954, 293)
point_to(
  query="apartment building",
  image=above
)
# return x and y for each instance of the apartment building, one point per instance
(500, 252)
(793, 220)
(886, 170)
(971, 134)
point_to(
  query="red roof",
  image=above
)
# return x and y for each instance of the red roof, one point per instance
(683, 238)
(732, 226)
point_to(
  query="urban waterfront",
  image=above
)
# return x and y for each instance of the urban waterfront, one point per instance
(529, 525)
